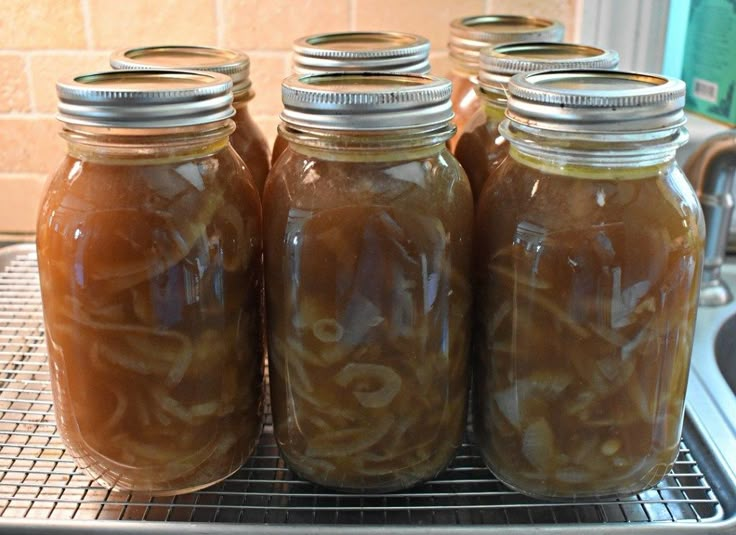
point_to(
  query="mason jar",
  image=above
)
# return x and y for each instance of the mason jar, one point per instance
(368, 222)
(480, 147)
(323, 53)
(468, 35)
(589, 243)
(149, 255)
(246, 139)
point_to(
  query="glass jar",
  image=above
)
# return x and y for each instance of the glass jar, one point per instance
(367, 247)
(149, 255)
(589, 243)
(247, 139)
(480, 147)
(468, 35)
(324, 53)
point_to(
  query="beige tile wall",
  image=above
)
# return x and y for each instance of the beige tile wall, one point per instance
(41, 40)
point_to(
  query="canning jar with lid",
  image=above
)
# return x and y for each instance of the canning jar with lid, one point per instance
(149, 255)
(368, 250)
(589, 243)
(480, 147)
(247, 139)
(468, 35)
(399, 52)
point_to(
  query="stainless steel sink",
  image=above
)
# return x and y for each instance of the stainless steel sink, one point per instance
(711, 400)
(725, 349)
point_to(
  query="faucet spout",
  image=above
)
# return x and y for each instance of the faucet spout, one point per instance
(711, 170)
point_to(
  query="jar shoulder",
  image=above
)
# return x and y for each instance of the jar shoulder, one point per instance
(315, 182)
(81, 192)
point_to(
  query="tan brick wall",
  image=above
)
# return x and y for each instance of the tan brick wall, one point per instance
(41, 40)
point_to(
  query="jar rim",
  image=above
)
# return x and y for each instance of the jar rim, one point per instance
(366, 101)
(233, 63)
(596, 101)
(468, 35)
(361, 51)
(145, 98)
(498, 64)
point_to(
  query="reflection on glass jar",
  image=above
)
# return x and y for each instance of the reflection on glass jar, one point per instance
(368, 296)
(481, 147)
(149, 251)
(589, 256)
(247, 139)
(468, 35)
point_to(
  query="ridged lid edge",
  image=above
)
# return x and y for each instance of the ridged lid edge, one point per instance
(237, 68)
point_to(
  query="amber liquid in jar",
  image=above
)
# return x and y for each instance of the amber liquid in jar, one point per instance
(481, 148)
(587, 294)
(150, 273)
(465, 102)
(279, 146)
(368, 297)
(250, 144)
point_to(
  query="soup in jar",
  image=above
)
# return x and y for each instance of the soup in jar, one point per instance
(587, 294)
(150, 275)
(368, 317)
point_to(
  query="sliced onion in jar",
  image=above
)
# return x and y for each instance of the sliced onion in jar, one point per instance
(327, 330)
(142, 350)
(387, 378)
(350, 441)
(538, 445)
(573, 475)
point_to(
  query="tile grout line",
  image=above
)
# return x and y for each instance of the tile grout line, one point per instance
(87, 19)
(30, 82)
(26, 115)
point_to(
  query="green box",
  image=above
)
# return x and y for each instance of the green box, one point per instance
(709, 65)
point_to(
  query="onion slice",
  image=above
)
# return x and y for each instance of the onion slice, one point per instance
(389, 380)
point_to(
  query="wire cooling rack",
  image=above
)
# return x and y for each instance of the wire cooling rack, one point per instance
(39, 481)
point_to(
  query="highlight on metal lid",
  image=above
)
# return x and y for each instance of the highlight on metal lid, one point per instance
(468, 35)
(233, 63)
(498, 64)
(361, 51)
(366, 101)
(596, 101)
(145, 98)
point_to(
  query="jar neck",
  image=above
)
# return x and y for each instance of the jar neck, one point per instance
(494, 106)
(464, 69)
(387, 145)
(592, 152)
(241, 99)
(139, 146)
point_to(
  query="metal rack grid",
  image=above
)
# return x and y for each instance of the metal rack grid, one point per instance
(39, 481)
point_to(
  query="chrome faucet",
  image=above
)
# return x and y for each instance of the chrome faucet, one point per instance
(711, 170)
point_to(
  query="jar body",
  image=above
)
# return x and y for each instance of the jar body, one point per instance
(279, 146)
(151, 281)
(587, 295)
(251, 146)
(465, 101)
(481, 148)
(368, 301)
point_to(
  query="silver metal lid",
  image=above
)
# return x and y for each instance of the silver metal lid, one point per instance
(468, 35)
(145, 99)
(596, 101)
(190, 58)
(366, 101)
(498, 64)
(361, 51)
